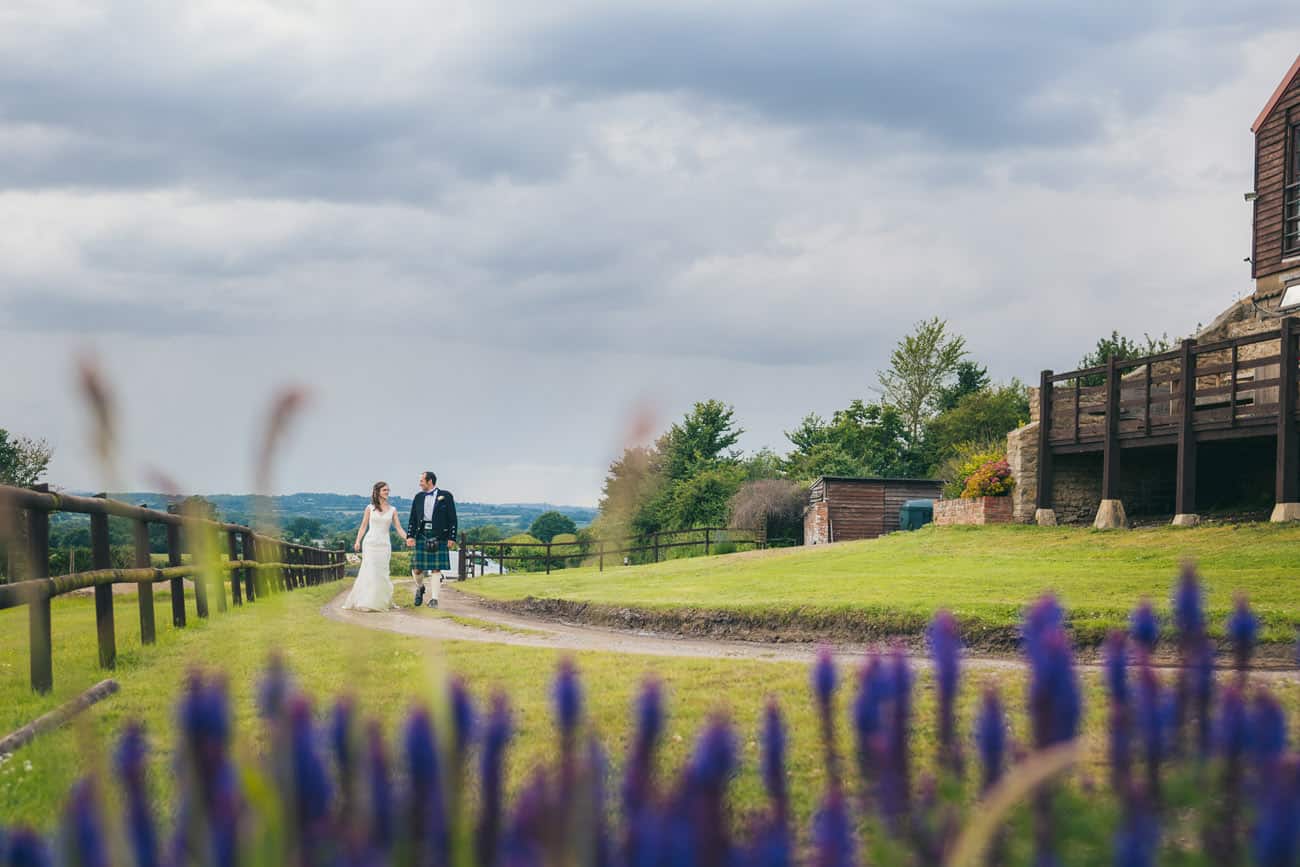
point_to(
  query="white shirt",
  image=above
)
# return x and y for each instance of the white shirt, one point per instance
(430, 500)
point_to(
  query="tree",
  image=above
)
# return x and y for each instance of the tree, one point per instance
(972, 377)
(983, 416)
(702, 500)
(863, 439)
(1120, 348)
(548, 525)
(920, 368)
(23, 461)
(701, 440)
(303, 530)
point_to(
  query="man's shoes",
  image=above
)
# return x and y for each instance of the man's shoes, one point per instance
(433, 603)
(419, 595)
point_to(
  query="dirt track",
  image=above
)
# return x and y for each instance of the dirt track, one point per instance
(507, 628)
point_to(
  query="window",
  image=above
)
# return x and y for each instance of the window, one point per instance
(1291, 197)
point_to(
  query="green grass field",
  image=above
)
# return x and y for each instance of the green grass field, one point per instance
(388, 673)
(985, 575)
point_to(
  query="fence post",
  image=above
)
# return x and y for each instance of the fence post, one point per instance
(1043, 496)
(177, 584)
(232, 549)
(101, 556)
(1288, 450)
(1185, 486)
(656, 547)
(144, 590)
(706, 541)
(501, 560)
(200, 577)
(460, 557)
(548, 558)
(252, 579)
(600, 546)
(38, 608)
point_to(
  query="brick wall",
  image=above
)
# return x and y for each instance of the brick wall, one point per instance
(816, 524)
(973, 510)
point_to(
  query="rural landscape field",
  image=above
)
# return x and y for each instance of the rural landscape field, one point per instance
(632, 434)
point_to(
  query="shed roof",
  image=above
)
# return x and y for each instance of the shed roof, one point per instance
(1277, 94)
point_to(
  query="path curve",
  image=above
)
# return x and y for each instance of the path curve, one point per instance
(501, 627)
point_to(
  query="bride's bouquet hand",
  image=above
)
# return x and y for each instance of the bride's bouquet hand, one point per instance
(356, 546)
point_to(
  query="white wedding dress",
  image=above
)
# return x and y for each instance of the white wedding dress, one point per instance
(373, 590)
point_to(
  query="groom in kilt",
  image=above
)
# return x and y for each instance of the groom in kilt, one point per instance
(432, 528)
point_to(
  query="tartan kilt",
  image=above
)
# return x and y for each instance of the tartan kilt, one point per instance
(437, 560)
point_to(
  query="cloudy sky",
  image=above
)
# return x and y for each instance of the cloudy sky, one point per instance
(485, 235)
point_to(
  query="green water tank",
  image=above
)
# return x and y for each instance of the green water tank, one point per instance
(915, 514)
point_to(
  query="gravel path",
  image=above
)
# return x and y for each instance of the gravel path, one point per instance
(486, 624)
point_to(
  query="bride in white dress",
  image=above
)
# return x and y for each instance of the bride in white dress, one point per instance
(373, 590)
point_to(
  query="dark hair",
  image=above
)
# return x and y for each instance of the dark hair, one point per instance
(374, 493)
(431, 477)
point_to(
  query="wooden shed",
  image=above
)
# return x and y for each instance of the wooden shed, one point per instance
(840, 509)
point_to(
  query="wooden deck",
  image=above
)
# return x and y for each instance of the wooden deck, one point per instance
(1229, 389)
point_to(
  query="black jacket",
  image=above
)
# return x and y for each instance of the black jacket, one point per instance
(443, 526)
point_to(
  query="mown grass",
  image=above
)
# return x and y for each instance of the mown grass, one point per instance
(388, 673)
(986, 575)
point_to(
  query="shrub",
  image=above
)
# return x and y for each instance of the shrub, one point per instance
(772, 505)
(991, 480)
(1194, 768)
(965, 460)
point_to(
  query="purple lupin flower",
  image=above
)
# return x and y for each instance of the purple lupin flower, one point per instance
(496, 736)
(1144, 626)
(1202, 679)
(381, 817)
(1243, 631)
(1267, 733)
(84, 843)
(773, 762)
(1115, 665)
(707, 777)
(1275, 839)
(945, 651)
(132, 752)
(1043, 616)
(824, 681)
(832, 832)
(25, 848)
(567, 694)
(874, 690)
(1152, 717)
(428, 823)
(343, 747)
(896, 776)
(1120, 746)
(524, 842)
(641, 843)
(1189, 605)
(275, 688)
(1054, 702)
(769, 845)
(598, 775)
(462, 718)
(991, 737)
(210, 808)
(1138, 839)
(1232, 740)
(311, 783)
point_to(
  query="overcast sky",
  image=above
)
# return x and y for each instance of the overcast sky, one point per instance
(483, 236)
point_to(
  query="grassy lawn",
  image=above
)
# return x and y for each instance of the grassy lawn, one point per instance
(984, 574)
(389, 672)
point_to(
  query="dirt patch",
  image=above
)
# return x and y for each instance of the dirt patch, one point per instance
(813, 626)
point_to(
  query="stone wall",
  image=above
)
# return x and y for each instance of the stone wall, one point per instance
(973, 510)
(1022, 458)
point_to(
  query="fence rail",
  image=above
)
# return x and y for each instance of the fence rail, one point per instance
(476, 554)
(255, 563)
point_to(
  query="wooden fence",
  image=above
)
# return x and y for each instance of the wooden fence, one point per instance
(256, 565)
(478, 553)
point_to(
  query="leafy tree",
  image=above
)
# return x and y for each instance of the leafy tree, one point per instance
(764, 464)
(920, 368)
(861, 440)
(485, 533)
(972, 377)
(1120, 348)
(982, 416)
(823, 459)
(23, 461)
(631, 482)
(303, 530)
(703, 500)
(550, 524)
(701, 440)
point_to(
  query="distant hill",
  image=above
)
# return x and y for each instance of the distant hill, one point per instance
(336, 511)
